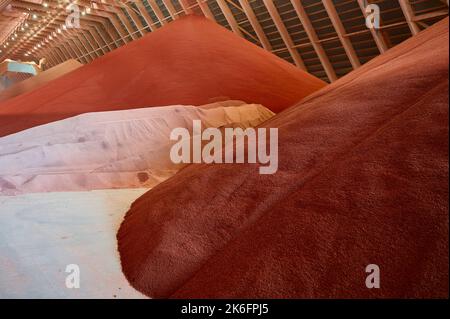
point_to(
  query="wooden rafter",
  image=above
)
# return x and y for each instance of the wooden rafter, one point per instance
(229, 17)
(157, 12)
(205, 9)
(284, 33)
(309, 29)
(255, 24)
(376, 34)
(340, 30)
(108, 24)
(409, 15)
(170, 8)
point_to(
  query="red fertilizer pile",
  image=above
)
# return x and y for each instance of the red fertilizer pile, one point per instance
(191, 61)
(362, 179)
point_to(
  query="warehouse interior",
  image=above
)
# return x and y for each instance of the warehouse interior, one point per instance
(326, 38)
(93, 205)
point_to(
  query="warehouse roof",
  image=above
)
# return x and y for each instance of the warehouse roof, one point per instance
(327, 38)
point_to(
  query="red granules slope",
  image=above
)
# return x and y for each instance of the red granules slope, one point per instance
(362, 179)
(191, 61)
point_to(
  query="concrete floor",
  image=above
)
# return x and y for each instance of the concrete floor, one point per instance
(40, 234)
